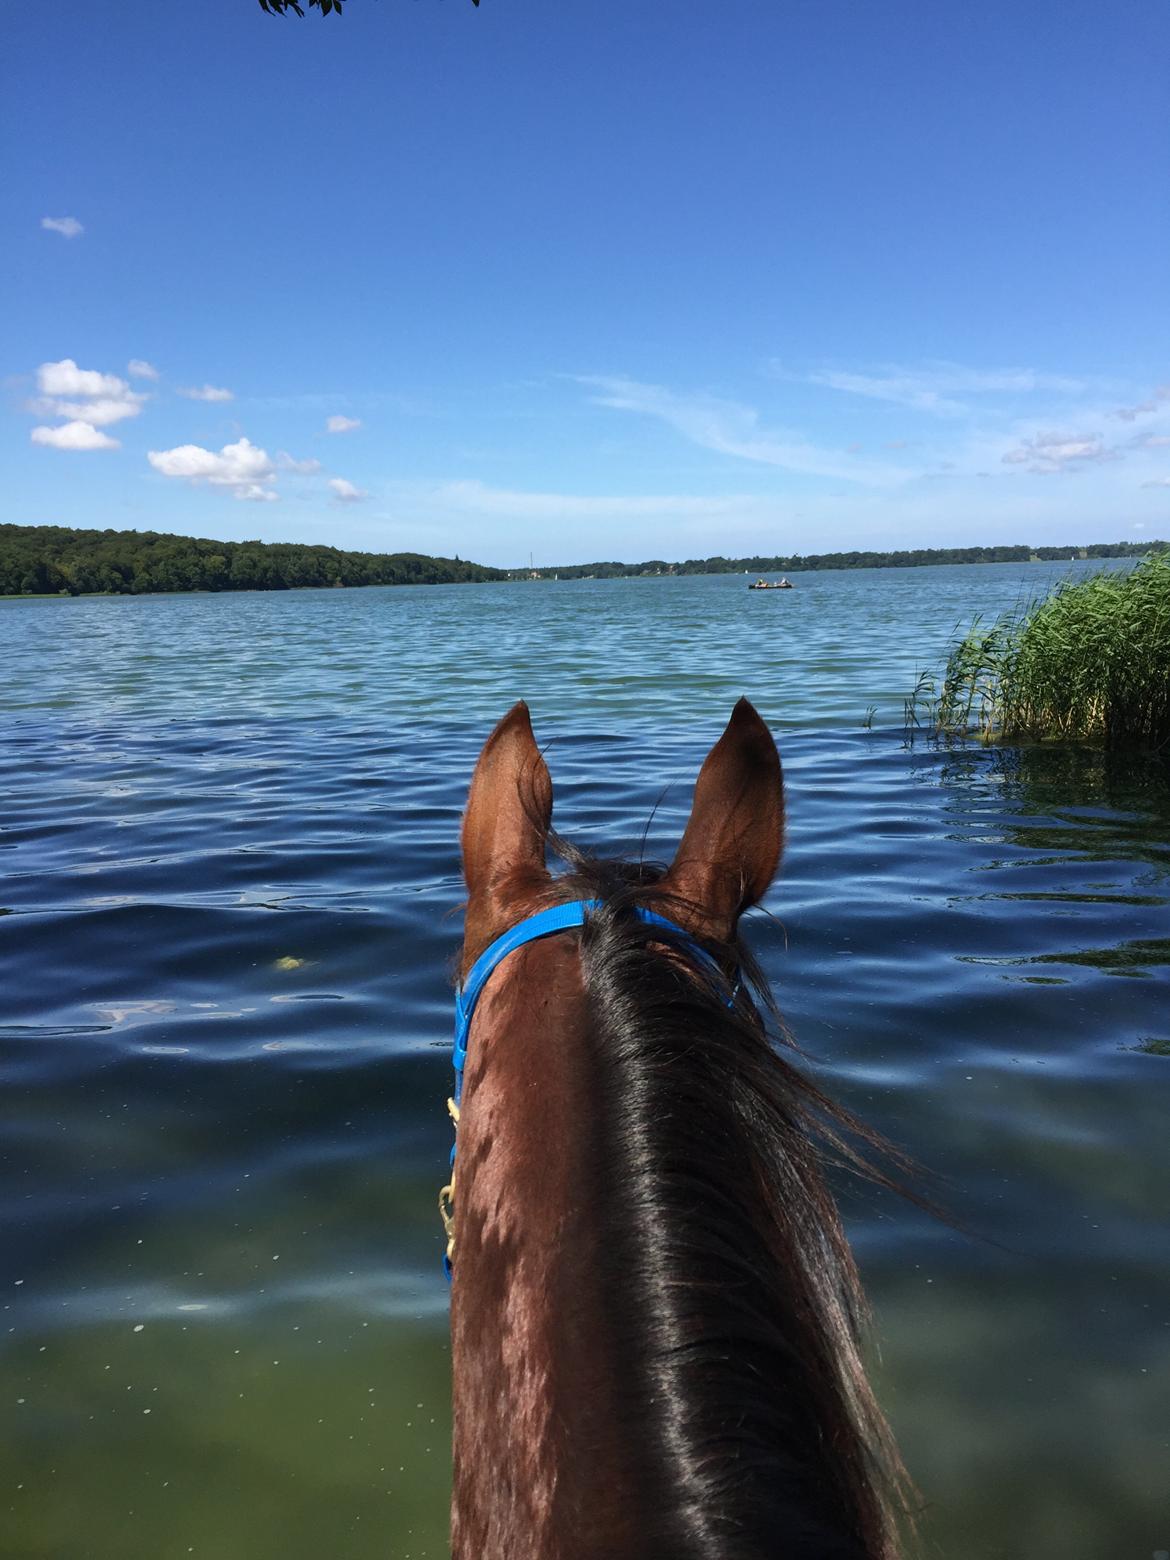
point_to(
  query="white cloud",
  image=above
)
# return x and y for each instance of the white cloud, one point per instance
(902, 391)
(205, 393)
(932, 387)
(338, 424)
(303, 468)
(101, 411)
(1046, 453)
(1157, 482)
(734, 429)
(242, 468)
(1158, 397)
(137, 368)
(501, 525)
(68, 227)
(478, 498)
(83, 397)
(74, 436)
(345, 491)
(65, 378)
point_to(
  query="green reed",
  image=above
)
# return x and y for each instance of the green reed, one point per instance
(1090, 662)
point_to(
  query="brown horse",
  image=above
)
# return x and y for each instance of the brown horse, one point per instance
(654, 1311)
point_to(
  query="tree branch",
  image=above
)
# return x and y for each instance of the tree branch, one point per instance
(283, 7)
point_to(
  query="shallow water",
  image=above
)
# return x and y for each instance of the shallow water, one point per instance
(228, 872)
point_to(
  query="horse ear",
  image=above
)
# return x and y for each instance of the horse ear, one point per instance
(731, 845)
(506, 824)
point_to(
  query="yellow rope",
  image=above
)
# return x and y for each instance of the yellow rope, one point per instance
(447, 1193)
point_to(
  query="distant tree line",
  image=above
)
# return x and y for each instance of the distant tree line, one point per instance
(795, 563)
(38, 560)
(54, 560)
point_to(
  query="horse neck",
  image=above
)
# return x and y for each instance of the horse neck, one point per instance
(643, 1365)
(539, 1472)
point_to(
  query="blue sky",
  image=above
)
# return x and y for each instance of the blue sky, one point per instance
(588, 281)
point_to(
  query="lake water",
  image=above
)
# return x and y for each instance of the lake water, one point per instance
(228, 884)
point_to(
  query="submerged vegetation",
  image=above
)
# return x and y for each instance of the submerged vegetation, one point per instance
(1089, 663)
(40, 560)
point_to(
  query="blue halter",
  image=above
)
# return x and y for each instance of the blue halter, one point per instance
(559, 918)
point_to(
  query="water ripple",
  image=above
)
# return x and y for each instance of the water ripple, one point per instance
(229, 866)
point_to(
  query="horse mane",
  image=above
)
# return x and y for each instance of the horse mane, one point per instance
(731, 1291)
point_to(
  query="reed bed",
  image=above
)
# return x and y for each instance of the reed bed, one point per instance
(1089, 663)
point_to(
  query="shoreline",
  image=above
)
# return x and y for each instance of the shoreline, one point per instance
(569, 575)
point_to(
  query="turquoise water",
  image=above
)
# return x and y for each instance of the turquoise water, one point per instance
(228, 877)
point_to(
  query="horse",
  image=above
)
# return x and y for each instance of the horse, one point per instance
(655, 1314)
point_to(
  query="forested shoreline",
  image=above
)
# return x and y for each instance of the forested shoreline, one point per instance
(45, 560)
(795, 563)
(39, 560)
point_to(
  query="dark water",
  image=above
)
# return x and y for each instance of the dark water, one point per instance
(227, 874)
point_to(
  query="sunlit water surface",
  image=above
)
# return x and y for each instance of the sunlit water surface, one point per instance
(228, 878)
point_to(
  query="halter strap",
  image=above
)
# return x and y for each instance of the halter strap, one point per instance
(545, 923)
(558, 918)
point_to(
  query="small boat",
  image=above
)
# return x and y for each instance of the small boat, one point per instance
(771, 585)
